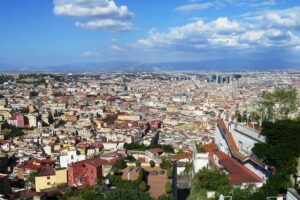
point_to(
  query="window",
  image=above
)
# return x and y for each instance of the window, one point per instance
(48, 177)
(48, 183)
(72, 157)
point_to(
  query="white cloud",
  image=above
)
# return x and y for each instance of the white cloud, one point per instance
(224, 34)
(263, 3)
(91, 54)
(95, 14)
(194, 7)
(106, 24)
(287, 18)
(116, 48)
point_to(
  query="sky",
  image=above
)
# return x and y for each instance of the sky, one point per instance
(59, 32)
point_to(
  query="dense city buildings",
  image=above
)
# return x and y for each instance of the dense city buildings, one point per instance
(153, 130)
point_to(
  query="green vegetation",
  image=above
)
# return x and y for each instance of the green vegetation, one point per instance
(5, 78)
(281, 150)
(11, 132)
(142, 147)
(152, 163)
(143, 186)
(89, 193)
(30, 181)
(34, 79)
(207, 180)
(278, 104)
(134, 189)
(50, 118)
(168, 187)
(170, 173)
(165, 164)
(165, 197)
(120, 164)
(137, 163)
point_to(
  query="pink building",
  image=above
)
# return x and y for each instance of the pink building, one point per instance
(85, 172)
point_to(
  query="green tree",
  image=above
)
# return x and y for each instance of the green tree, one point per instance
(137, 163)
(120, 164)
(127, 195)
(168, 187)
(165, 197)
(30, 181)
(169, 173)
(278, 104)
(143, 186)
(152, 163)
(165, 164)
(50, 118)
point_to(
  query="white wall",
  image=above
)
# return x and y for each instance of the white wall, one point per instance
(67, 159)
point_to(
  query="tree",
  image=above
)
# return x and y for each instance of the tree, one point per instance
(168, 187)
(30, 181)
(170, 173)
(127, 195)
(165, 197)
(33, 94)
(143, 186)
(210, 179)
(137, 163)
(278, 104)
(120, 164)
(50, 118)
(165, 164)
(152, 163)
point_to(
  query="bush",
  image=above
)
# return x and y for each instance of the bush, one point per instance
(152, 163)
(120, 164)
(137, 163)
(168, 187)
(143, 186)
(165, 164)
(165, 197)
(170, 173)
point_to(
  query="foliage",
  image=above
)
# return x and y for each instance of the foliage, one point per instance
(142, 147)
(207, 180)
(124, 184)
(168, 187)
(282, 144)
(143, 186)
(237, 192)
(120, 164)
(211, 179)
(152, 163)
(31, 178)
(165, 164)
(170, 173)
(130, 158)
(33, 94)
(278, 104)
(11, 132)
(127, 195)
(281, 151)
(137, 163)
(50, 118)
(165, 197)
(5, 78)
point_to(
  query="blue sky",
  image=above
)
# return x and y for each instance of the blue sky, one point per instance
(58, 32)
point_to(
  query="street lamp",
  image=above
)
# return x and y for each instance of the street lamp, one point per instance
(222, 197)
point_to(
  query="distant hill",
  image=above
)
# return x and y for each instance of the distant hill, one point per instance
(218, 65)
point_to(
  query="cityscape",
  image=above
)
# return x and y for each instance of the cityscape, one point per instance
(149, 100)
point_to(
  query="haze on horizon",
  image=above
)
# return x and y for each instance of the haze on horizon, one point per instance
(256, 33)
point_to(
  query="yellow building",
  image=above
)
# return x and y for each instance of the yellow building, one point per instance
(125, 117)
(48, 178)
